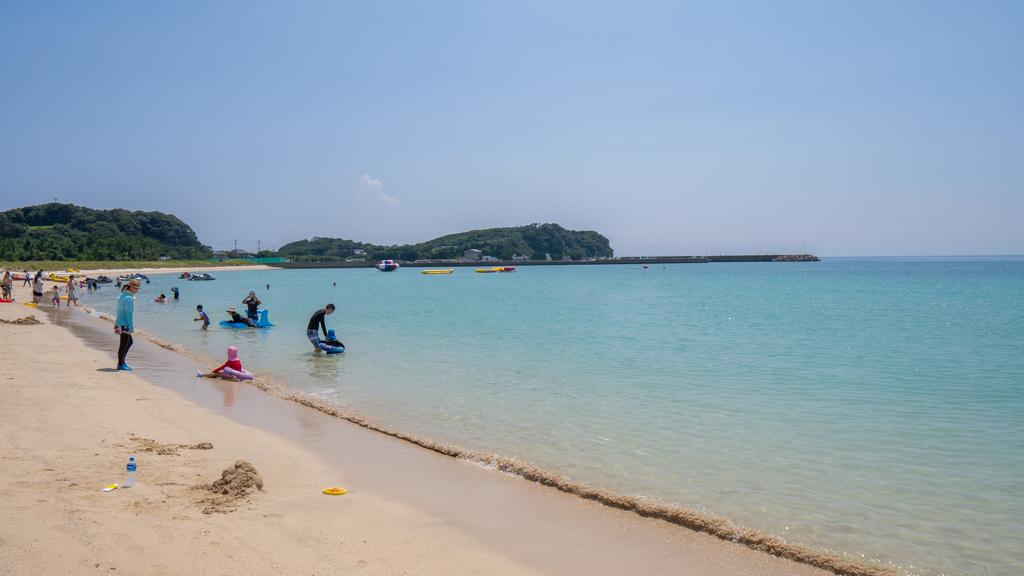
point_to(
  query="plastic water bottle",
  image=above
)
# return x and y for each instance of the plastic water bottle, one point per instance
(129, 479)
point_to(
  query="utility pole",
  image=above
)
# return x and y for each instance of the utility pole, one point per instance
(257, 247)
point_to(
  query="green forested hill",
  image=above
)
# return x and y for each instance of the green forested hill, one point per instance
(68, 232)
(534, 241)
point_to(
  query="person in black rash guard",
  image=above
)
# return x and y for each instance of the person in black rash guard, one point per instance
(252, 304)
(316, 323)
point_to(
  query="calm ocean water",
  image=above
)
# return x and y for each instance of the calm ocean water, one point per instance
(867, 406)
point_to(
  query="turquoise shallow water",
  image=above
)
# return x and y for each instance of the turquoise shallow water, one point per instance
(868, 406)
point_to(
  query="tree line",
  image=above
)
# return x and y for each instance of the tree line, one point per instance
(535, 241)
(57, 231)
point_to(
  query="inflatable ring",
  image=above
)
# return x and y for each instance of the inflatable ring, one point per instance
(237, 374)
(334, 491)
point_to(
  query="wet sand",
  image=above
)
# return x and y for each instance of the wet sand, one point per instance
(64, 433)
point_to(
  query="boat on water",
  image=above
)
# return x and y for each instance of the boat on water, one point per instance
(442, 271)
(136, 276)
(496, 269)
(201, 277)
(387, 266)
(103, 279)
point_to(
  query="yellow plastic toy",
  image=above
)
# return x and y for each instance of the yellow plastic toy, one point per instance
(334, 491)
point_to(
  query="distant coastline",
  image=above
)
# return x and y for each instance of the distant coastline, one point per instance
(637, 260)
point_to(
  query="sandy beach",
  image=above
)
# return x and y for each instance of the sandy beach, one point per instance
(69, 423)
(175, 270)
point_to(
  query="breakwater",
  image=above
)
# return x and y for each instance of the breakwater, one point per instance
(639, 260)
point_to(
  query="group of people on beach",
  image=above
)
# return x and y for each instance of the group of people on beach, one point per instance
(232, 369)
(69, 288)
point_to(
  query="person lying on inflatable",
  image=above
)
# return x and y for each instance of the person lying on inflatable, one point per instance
(332, 340)
(238, 318)
(331, 344)
(230, 370)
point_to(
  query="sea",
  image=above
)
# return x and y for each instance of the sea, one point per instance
(870, 407)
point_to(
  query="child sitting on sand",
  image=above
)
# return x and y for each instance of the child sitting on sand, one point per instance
(230, 370)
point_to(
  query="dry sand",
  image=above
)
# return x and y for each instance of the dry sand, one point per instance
(67, 425)
(220, 493)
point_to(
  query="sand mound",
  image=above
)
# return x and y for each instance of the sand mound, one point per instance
(236, 483)
(26, 321)
(161, 449)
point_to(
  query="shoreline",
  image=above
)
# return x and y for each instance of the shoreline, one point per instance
(695, 524)
(173, 270)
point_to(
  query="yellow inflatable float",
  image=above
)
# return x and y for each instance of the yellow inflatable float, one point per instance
(445, 271)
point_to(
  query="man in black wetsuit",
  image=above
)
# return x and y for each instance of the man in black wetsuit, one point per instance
(316, 323)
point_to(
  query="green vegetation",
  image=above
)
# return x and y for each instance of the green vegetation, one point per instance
(534, 241)
(63, 232)
(34, 265)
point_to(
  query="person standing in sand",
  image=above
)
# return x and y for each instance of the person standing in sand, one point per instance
(72, 292)
(124, 324)
(37, 287)
(6, 285)
(316, 322)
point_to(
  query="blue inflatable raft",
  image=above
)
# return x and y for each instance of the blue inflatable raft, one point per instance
(332, 345)
(261, 323)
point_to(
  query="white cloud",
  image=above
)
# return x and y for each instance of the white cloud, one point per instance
(375, 187)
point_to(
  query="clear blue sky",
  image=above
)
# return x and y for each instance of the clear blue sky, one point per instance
(840, 128)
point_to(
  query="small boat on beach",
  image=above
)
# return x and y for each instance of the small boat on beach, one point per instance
(434, 272)
(387, 266)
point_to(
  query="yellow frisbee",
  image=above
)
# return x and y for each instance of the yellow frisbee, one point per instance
(334, 491)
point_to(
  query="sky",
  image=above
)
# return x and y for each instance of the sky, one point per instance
(837, 128)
